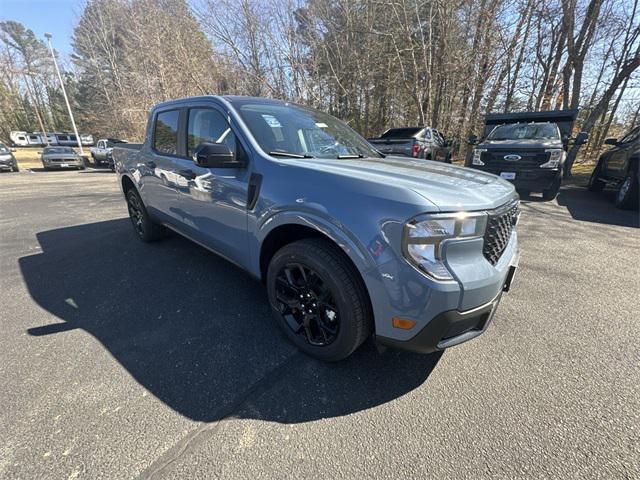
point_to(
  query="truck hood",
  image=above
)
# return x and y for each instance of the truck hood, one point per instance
(520, 144)
(447, 187)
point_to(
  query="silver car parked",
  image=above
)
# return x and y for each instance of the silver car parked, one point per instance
(61, 157)
(7, 160)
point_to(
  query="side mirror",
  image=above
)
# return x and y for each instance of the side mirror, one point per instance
(215, 155)
(581, 138)
(38, 153)
(611, 141)
(472, 140)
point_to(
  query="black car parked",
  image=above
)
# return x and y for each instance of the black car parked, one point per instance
(526, 148)
(618, 168)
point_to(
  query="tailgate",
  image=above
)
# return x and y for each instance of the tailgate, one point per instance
(392, 146)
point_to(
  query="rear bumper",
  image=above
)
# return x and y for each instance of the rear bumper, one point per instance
(67, 165)
(448, 329)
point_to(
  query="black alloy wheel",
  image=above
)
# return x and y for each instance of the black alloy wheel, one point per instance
(136, 214)
(307, 305)
(146, 229)
(319, 299)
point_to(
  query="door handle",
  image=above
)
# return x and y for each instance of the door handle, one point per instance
(151, 164)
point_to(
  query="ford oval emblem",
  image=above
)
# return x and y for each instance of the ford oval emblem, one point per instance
(512, 158)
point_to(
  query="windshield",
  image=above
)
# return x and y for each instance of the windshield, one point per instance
(525, 131)
(58, 150)
(632, 136)
(288, 128)
(408, 132)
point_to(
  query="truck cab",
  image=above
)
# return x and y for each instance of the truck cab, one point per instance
(528, 149)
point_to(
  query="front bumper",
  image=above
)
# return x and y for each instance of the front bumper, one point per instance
(448, 329)
(535, 180)
(444, 313)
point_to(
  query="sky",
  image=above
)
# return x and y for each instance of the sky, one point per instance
(57, 17)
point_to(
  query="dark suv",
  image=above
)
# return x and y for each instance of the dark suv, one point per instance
(618, 167)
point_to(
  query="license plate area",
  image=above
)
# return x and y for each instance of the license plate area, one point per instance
(509, 278)
(508, 175)
(64, 164)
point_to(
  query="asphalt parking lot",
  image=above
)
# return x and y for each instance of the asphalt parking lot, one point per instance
(125, 360)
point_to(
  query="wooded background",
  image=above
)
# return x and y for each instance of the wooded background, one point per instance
(374, 63)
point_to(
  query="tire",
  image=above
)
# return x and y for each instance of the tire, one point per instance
(627, 197)
(330, 280)
(145, 228)
(15, 169)
(596, 184)
(552, 192)
(447, 159)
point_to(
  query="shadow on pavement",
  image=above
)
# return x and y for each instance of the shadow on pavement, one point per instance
(197, 332)
(596, 207)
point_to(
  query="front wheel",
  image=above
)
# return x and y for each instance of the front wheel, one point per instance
(15, 168)
(318, 299)
(146, 229)
(552, 191)
(628, 193)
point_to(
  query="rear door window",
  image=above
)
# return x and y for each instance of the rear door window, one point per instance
(165, 137)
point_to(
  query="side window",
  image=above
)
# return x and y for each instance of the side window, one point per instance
(208, 125)
(165, 137)
(436, 138)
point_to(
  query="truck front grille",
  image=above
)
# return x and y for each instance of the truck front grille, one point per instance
(495, 162)
(499, 227)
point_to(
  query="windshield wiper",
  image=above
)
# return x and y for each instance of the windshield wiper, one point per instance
(350, 155)
(290, 154)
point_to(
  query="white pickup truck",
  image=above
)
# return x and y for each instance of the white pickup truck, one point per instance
(101, 153)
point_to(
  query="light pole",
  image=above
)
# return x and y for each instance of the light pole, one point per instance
(64, 92)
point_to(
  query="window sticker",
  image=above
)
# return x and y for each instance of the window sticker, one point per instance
(271, 121)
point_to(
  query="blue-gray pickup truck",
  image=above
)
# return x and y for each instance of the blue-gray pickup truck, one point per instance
(351, 244)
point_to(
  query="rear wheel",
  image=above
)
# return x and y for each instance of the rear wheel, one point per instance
(628, 194)
(596, 184)
(552, 192)
(318, 299)
(146, 229)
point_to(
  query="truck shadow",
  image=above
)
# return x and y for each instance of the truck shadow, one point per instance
(589, 206)
(596, 207)
(197, 332)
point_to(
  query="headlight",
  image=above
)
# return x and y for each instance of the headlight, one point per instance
(555, 157)
(423, 239)
(477, 155)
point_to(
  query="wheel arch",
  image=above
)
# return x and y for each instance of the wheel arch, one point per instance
(127, 184)
(288, 232)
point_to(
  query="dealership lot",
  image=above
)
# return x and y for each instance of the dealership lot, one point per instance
(123, 360)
